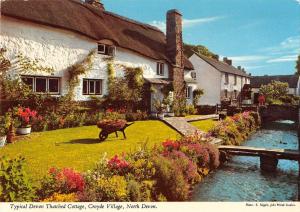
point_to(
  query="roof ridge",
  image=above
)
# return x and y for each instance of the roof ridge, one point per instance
(119, 16)
(218, 61)
(133, 21)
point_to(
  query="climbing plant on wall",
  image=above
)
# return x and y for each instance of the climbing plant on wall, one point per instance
(197, 93)
(126, 91)
(78, 69)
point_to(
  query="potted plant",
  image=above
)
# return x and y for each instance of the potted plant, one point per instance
(25, 116)
(160, 109)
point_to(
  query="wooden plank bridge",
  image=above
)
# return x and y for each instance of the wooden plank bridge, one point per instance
(268, 157)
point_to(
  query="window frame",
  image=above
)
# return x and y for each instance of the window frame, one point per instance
(226, 93)
(226, 78)
(47, 83)
(160, 69)
(48, 88)
(194, 75)
(95, 93)
(189, 92)
(104, 48)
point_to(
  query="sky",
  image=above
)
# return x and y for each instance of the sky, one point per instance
(263, 36)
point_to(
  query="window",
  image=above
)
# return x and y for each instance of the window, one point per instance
(235, 94)
(106, 49)
(160, 69)
(226, 78)
(189, 92)
(85, 87)
(235, 80)
(101, 48)
(92, 87)
(226, 93)
(41, 84)
(53, 85)
(193, 75)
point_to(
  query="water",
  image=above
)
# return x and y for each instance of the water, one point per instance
(241, 179)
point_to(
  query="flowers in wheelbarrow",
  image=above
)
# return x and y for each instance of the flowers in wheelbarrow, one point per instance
(118, 165)
(112, 124)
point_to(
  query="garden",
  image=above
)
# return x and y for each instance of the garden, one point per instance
(58, 154)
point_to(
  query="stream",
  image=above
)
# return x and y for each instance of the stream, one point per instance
(241, 179)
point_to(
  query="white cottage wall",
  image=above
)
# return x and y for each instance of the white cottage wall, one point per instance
(60, 49)
(208, 79)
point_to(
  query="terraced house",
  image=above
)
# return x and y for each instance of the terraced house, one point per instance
(61, 33)
(220, 80)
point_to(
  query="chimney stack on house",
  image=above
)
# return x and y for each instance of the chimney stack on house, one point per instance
(175, 53)
(239, 68)
(95, 3)
(216, 57)
(226, 60)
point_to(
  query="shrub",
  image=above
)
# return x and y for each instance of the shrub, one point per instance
(138, 116)
(15, 185)
(234, 129)
(111, 115)
(170, 179)
(134, 192)
(187, 166)
(92, 119)
(113, 189)
(56, 197)
(63, 181)
(118, 165)
(190, 110)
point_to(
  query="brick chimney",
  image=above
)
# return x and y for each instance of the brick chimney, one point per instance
(175, 53)
(95, 3)
(226, 60)
(239, 68)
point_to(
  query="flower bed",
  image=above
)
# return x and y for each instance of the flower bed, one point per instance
(165, 173)
(233, 130)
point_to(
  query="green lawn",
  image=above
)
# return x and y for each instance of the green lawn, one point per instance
(79, 148)
(204, 125)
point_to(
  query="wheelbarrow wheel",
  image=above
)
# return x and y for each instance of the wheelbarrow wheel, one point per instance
(103, 136)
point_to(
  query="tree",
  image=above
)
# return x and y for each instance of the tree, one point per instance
(274, 90)
(200, 49)
(298, 66)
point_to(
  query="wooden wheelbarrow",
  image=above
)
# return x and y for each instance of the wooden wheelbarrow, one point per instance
(112, 126)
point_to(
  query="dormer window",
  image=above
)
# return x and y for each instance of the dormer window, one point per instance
(193, 75)
(101, 48)
(106, 49)
(160, 69)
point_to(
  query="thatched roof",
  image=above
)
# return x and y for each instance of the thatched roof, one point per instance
(222, 66)
(258, 81)
(82, 18)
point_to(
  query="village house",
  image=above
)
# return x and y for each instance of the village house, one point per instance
(220, 80)
(257, 81)
(61, 33)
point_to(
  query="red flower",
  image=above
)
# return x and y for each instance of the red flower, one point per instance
(109, 110)
(26, 115)
(119, 165)
(171, 145)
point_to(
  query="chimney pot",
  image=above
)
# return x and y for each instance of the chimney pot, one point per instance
(239, 68)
